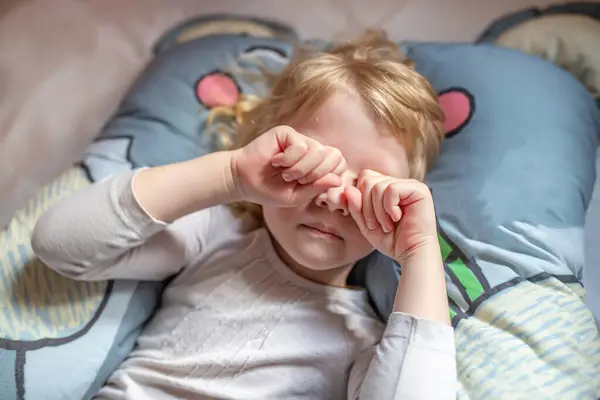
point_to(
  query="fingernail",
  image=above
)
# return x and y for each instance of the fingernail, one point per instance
(386, 228)
(370, 225)
(287, 177)
(301, 180)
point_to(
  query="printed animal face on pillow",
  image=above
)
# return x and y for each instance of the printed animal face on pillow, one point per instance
(511, 187)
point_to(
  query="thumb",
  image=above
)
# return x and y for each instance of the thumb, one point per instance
(311, 190)
(354, 197)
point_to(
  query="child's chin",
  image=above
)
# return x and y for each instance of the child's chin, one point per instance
(320, 259)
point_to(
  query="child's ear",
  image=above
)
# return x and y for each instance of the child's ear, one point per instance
(458, 105)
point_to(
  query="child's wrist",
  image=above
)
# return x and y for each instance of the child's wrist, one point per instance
(216, 170)
(429, 249)
(232, 184)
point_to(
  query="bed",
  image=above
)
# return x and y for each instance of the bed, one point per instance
(514, 267)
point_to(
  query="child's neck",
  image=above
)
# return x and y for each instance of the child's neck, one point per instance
(330, 277)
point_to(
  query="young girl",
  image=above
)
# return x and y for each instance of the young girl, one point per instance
(329, 167)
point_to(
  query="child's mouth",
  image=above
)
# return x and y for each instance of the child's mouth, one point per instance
(321, 231)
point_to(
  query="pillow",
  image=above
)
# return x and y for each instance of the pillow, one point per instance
(511, 20)
(224, 25)
(511, 188)
(569, 36)
(570, 41)
(511, 236)
(59, 338)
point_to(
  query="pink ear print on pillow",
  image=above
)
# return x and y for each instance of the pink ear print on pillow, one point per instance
(459, 106)
(217, 89)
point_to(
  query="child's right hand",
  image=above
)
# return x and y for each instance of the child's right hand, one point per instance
(284, 168)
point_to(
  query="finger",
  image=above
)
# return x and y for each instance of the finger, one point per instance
(354, 198)
(391, 202)
(277, 159)
(290, 155)
(411, 191)
(366, 174)
(377, 194)
(368, 212)
(341, 167)
(285, 137)
(308, 162)
(333, 159)
(309, 191)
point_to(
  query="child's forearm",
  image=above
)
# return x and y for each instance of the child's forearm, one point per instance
(422, 288)
(172, 191)
(416, 357)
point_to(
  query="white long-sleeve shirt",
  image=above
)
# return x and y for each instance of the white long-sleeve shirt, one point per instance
(236, 322)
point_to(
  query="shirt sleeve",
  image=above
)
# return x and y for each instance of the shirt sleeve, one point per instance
(102, 232)
(415, 360)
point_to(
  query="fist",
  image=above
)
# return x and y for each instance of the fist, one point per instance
(396, 216)
(284, 168)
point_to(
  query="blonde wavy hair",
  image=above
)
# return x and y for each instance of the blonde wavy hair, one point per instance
(373, 67)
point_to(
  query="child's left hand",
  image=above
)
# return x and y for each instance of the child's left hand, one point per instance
(396, 216)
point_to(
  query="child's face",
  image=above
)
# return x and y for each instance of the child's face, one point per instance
(343, 123)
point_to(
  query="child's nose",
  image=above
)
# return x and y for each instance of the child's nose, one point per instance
(334, 200)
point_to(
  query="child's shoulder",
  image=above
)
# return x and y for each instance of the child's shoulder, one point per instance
(214, 225)
(224, 219)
